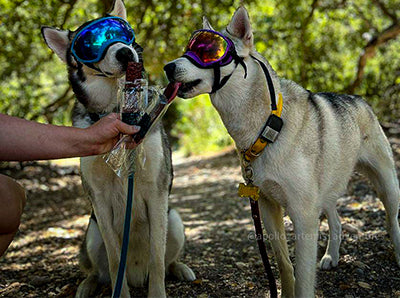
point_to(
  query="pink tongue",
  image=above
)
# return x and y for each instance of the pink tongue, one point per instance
(171, 90)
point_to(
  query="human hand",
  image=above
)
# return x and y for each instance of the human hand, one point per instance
(105, 133)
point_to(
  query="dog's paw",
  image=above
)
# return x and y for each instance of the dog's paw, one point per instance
(182, 272)
(328, 262)
(87, 287)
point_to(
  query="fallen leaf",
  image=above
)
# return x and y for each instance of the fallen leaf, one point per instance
(364, 285)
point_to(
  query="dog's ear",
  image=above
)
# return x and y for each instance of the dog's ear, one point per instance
(119, 9)
(57, 40)
(206, 24)
(240, 26)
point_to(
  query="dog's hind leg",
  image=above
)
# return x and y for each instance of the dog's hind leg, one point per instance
(331, 256)
(272, 215)
(175, 246)
(377, 164)
(157, 214)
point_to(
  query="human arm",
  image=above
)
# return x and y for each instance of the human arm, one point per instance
(28, 140)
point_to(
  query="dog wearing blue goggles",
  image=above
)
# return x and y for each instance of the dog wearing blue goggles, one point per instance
(92, 39)
(104, 45)
(97, 55)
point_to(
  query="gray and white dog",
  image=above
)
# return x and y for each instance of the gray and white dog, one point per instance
(324, 138)
(157, 235)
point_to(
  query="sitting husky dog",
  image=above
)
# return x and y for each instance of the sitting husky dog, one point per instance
(325, 136)
(152, 252)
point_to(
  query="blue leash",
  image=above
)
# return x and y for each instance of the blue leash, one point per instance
(125, 239)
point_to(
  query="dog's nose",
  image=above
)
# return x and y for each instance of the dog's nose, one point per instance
(124, 55)
(170, 70)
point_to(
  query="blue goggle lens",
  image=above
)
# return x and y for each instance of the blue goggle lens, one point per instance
(92, 40)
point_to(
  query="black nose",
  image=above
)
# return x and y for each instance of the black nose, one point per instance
(170, 71)
(124, 56)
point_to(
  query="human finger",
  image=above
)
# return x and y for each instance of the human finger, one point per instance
(127, 129)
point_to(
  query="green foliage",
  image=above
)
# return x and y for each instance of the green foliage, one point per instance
(316, 43)
(200, 128)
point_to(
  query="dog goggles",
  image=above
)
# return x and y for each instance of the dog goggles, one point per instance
(207, 47)
(211, 49)
(91, 40)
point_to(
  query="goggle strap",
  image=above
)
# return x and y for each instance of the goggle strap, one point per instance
(239, 60)
(269, 82)
(217, 77)
(217, 73)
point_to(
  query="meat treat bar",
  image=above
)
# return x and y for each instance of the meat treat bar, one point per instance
(134, 71)
(130, 113)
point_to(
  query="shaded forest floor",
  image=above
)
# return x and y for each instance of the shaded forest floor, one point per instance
(42, 261)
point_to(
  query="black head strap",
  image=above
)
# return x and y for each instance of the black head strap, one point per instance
(217, 75)
(218, 83)
(240, 60)
(269, 82)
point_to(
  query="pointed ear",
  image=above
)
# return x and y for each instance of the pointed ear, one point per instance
(240, 26)
(57, 40)
(206, 24)
(119, 9)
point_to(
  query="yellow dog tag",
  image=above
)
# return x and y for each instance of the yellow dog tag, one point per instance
(249, 191)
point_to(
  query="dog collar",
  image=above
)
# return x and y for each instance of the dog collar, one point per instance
(269, 133)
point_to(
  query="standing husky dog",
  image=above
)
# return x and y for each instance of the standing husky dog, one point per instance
(325, 137)
(152, 252)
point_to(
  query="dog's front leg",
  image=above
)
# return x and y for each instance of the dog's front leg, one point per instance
(306, 223)
(105, 189)
(157, 212)
(104, 215)
(272, 215)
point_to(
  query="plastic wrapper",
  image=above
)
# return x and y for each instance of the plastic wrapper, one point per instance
(139, 105)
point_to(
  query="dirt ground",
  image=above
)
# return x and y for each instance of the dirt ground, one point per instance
(42, 260)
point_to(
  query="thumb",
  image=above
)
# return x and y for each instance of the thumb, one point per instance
(126, 128)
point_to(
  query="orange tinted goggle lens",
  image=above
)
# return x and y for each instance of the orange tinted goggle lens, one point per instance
(208, 46)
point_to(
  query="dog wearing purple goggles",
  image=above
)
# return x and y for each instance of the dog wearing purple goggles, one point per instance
(97, 54)
(207, 49)
(307, 163)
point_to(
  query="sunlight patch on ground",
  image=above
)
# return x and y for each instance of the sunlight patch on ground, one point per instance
(66, 229)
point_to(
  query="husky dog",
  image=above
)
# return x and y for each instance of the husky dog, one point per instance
(157, 235)
(324, 138)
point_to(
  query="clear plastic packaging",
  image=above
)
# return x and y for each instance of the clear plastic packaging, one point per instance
(139, 105)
